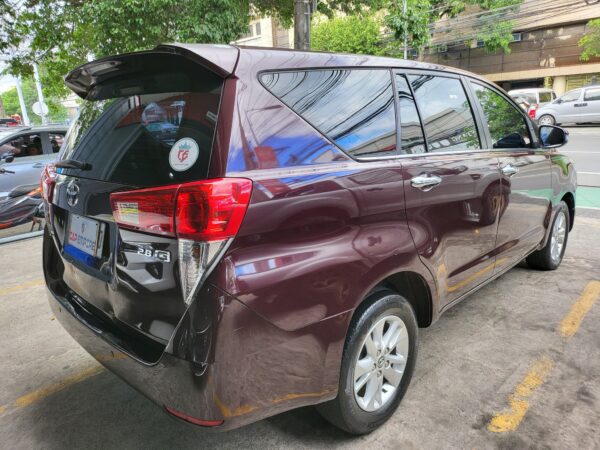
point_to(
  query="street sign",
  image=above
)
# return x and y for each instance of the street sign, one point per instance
(41, 109)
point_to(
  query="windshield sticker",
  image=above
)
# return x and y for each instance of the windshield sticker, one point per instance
(184, 154)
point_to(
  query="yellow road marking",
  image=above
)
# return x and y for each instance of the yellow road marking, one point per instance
(20, 287)
(46, 391)
(570, 324)
(510, 421)
(2, 409)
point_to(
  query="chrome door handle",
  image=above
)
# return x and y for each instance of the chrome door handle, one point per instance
(425, 182)
(509, 170)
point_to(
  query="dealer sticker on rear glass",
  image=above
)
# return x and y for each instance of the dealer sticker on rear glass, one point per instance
(184, 154)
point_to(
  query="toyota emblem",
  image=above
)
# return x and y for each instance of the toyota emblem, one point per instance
(72, 193)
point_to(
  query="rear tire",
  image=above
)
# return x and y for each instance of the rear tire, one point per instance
(546, 119)
(550, 257)
(374, 375)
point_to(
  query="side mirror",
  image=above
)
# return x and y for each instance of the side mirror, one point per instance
(552, 137)
(558, 101)
(8, 157)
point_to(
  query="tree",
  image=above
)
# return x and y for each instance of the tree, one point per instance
(61, 35)
(10, 99)
(590, 42)
(349, 34)
(416, 23)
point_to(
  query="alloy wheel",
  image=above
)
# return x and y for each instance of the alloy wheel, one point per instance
(380, 363)
(559, 233)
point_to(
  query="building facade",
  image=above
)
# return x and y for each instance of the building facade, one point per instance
(267, 32)
(544, 52)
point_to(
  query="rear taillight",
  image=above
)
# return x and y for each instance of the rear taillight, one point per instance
(47, 182)
(210, 210)
(532, 109)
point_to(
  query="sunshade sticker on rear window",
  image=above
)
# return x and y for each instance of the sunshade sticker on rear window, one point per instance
(183, 154)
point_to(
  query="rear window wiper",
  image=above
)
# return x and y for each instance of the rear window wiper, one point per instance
(73, 164)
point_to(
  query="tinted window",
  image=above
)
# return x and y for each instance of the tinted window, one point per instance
(353, 108)
(446, 113)
(571, 96)
(592, 94)
(56, 141)
(507, 126)
(411, 133)
(24, 145)
(545, 97)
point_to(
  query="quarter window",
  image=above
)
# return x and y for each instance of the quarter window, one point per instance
(507, 126)
(571, 96)
(446, 113)
(353, 108)
(592, 94)
(411, 133)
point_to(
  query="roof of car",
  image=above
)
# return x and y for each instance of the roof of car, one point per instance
(38, 128)
(529, 90)
(226, 60)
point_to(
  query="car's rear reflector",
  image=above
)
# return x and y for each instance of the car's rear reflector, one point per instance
(190, 419)
(532, 109)
(205, 211)
(47, 182)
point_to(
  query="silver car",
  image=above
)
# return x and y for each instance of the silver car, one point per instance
(577, 106)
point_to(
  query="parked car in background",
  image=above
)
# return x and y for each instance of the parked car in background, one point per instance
(24, 152)
(535, 97)
(281, 241)
(577, 106)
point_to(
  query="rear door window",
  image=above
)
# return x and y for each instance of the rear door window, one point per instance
(507, 126)
(592, 94)
(56, 141)
(446, 113)
(545, 97)
(352, 107)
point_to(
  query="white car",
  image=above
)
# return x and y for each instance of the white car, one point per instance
(536, 97)
(577, 106)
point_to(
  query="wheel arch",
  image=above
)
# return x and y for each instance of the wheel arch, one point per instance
(569, 199)
(413, 287)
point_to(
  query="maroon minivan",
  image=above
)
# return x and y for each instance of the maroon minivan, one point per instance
(237, 232)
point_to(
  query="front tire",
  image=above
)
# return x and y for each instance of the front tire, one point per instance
(550, 257)
(546, 119)
(377, 364)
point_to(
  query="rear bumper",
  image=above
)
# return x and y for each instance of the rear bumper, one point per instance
(261, 370)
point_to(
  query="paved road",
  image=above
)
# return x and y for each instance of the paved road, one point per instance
(584, 150)
(520, 356)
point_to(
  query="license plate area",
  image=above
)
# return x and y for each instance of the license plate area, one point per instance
(84, 239)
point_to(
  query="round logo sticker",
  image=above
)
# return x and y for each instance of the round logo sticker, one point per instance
(183, 154)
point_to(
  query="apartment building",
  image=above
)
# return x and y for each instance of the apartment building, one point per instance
(544, 51)
(267, 32)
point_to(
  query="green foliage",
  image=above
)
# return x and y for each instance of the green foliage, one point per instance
(590, 42)
(348, 34)
(62, 35)
(10, 98)
(421, 14)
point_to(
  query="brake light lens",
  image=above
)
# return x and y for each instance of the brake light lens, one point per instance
(149, 210)
(47, 182)
(532, 109)
(206, 211)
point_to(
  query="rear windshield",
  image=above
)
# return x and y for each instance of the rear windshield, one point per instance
(146, 139)
(545, 97)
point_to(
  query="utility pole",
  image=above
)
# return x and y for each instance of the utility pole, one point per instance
(22, 101)
(38, 85)
(404, 7)
(302, 24)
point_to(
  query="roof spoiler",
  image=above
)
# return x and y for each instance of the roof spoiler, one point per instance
(89, 81)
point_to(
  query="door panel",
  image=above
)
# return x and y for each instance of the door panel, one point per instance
(522, 225)
(525, 177)
(454, 224)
